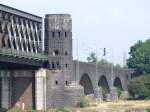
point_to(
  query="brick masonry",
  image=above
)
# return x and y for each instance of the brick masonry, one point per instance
(57, 82)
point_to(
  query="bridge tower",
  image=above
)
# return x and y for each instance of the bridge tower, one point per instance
(58, 44)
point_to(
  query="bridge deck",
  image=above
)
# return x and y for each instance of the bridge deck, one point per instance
(13, 57)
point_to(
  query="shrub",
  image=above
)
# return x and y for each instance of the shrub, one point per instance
(84, 102)
(62, 110)
(31, 110)
(119, 91)
(3, 110)
(139, 88)
(148, 110)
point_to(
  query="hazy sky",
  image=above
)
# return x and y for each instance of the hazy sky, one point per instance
(114, 24)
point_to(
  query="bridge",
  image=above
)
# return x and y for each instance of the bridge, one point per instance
(20, 39)
(39, 72)
(106, 77)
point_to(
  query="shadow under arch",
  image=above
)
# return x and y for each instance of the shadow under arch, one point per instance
(117, 83)
(104, 84)
(85, 81)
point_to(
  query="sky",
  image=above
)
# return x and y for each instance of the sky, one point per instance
(112, 24)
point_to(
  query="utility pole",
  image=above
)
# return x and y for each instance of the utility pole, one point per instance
(111, 67)
(112, 70)
(124, 59)
(77, 77)
(77, 61)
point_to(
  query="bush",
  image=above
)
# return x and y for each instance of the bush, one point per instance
(119, 91)
(139, 88)
(84, 102)
(62, 110)
(148, 110)
(3, 110)
(31, 110)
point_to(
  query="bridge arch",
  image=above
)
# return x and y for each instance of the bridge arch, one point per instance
(86, 82)
(104, 84)
(117, 83)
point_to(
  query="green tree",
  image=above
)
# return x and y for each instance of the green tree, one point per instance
(105, 63)
(140, 57)
(117, 66)
(139, 88)
(92, 58)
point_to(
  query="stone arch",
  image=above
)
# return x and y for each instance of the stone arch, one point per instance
(86, 82)
(117, 83)
(104, 84)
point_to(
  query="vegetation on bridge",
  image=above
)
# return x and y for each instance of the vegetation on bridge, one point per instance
(92, 58)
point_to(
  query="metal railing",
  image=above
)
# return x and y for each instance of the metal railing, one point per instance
(21, 54)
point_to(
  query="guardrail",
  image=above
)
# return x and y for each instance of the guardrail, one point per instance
(21, 54)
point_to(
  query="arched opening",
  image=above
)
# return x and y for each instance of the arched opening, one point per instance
(104, 85)
(85, 81)
(117, 83)
(56, 53)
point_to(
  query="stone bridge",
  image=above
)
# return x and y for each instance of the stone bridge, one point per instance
(38, 71)
(91, 77)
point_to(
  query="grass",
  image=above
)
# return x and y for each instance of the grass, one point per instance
(148, 109)
(127, 106)
(84, 102)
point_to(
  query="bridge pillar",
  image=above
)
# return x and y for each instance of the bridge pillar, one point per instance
(98, 94)
(40, 88)
(5, 89)
(114, 94)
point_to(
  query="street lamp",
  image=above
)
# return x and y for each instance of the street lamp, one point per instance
(112, 66)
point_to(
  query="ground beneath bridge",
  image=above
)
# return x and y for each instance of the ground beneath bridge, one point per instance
(119, 106)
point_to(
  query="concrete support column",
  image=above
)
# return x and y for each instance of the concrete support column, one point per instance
(98, 95)
(5, 90)
(114, 94)
(40, 89)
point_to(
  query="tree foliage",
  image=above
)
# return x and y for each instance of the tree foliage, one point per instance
(92, 58)
(139, 88)
(140, 57)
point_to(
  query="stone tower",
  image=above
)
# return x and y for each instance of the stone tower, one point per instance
(58, 45)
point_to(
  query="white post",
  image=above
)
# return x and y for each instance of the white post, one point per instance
(112, 71)
(5, 89)
(112, 75)
(77, 77)
(40, 88)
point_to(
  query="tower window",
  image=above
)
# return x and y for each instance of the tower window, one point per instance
(66, 82)
(56, 53)
(66, 53)
(53, 65)
(53, 34)
(59, 34)
(58, 65)
(65, 34)
(66, 65)
(56, 82)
